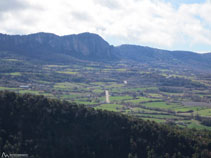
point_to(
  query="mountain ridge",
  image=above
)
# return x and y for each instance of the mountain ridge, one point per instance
(94, 34)
(92, 47)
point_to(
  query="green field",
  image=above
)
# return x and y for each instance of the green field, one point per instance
(109, 107)
(13, 74)
(119, 98)
(196, 124)
(140, 100)
(161, 105)
(29, 91)
(7, 88)
(67, 72)
(66, 85)
(205, 112)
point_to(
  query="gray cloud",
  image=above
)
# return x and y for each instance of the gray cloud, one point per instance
(82, 16)
(112, 4)
(12, 5)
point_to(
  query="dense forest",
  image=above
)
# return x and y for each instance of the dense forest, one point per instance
(49, 128)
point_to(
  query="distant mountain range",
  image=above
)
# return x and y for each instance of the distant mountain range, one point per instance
(88, 46)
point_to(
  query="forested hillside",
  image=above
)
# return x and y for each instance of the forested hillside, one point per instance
(47, 128)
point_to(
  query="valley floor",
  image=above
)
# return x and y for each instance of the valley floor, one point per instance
(172, 96)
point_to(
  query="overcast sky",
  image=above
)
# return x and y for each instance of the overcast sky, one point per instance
(166, 24)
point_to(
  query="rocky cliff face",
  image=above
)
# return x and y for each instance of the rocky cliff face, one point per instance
(87, 45)
(83, 46)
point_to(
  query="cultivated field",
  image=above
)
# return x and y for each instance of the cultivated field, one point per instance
(181, 97)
